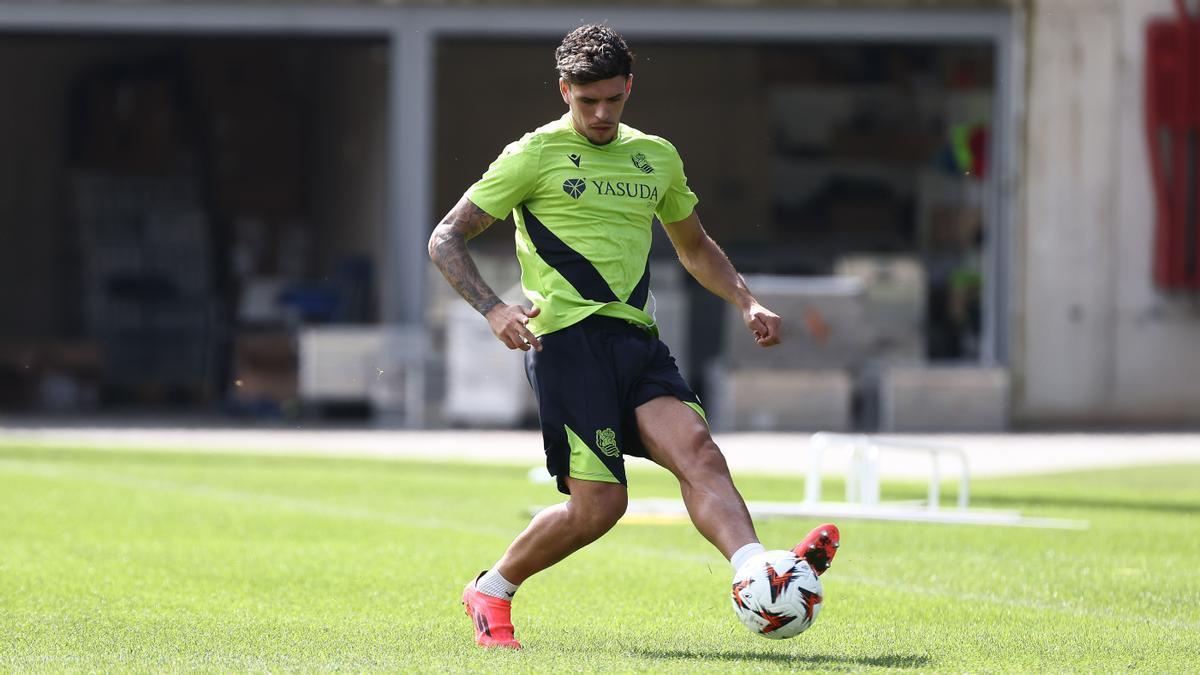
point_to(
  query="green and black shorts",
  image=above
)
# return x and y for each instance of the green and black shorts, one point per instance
(589, 379)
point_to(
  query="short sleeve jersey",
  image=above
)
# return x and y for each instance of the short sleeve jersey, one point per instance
(584, 215)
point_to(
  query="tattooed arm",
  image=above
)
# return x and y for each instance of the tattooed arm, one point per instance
(448, 249)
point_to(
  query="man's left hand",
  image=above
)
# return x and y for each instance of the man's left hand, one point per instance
(764, 323)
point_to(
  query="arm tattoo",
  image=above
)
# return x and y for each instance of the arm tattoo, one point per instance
(448, 249)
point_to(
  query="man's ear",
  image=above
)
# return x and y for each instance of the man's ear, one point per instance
(628, 85)
(565, 89)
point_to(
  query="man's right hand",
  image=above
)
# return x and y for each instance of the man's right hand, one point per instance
(510, 324)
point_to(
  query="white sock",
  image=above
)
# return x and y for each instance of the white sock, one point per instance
(495, 585)
(745, 553)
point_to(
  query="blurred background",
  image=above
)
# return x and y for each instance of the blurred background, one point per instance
(974, 215)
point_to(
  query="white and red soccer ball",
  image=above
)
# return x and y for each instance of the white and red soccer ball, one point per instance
(776, 595)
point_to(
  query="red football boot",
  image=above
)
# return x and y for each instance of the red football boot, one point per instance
(491, 616)
(819, 547)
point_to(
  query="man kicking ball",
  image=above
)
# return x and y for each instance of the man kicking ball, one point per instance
(583, 191)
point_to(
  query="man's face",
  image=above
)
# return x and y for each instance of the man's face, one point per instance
(596, 107)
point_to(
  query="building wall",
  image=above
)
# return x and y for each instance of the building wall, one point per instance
(1097, 342)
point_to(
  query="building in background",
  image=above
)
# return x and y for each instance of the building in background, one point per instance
(224, 209)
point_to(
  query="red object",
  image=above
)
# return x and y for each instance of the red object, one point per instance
(978, 143)
(492, 618)
(819, 547)
(1173, 139)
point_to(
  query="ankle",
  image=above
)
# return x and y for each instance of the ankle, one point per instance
(745, 553)
(494, 584)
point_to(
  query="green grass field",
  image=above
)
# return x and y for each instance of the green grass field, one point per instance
(117, 560)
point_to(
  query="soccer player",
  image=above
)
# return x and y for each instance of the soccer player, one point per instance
(583, 191)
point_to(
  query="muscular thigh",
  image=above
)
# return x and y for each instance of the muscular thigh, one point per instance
(672, 431)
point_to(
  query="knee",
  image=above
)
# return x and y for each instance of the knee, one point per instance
(609, 506)
(708, 464)
(600, 509)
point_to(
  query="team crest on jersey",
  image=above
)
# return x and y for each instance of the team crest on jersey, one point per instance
(574, 158)
(574, 187)
(639, 160)
(606, 440)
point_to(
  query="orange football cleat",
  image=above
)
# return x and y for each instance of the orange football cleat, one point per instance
(491, 616)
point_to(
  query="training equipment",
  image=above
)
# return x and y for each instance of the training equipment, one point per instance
(491, 616)
(776, 595)
(863, 487)
(870, 457)
(819, 547)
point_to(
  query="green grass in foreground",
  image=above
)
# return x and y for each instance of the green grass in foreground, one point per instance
(114, 560)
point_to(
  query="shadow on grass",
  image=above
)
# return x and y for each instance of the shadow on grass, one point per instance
(883, 661)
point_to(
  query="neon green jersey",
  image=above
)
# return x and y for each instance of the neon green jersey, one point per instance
(584, 214)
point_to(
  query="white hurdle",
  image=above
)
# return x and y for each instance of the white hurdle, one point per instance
(862, 478)
(863, 493)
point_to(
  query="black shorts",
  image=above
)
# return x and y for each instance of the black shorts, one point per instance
(588, 380)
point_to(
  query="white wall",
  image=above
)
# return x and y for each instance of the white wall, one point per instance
(1096, 341)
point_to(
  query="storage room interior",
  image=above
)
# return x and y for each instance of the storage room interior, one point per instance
(175, 206)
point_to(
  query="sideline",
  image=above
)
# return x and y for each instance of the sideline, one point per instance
(774, 453)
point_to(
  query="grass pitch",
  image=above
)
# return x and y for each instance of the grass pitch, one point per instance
(136, 561)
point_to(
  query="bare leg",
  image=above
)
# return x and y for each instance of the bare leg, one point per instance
(678, 439)
(560, 530)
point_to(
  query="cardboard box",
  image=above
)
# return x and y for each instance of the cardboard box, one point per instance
(943, 398)
(779, 400)
(264, 368)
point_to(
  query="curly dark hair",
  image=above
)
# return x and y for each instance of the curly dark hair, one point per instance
(592, 53)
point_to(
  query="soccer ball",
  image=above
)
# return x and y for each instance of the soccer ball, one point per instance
(776, 595)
